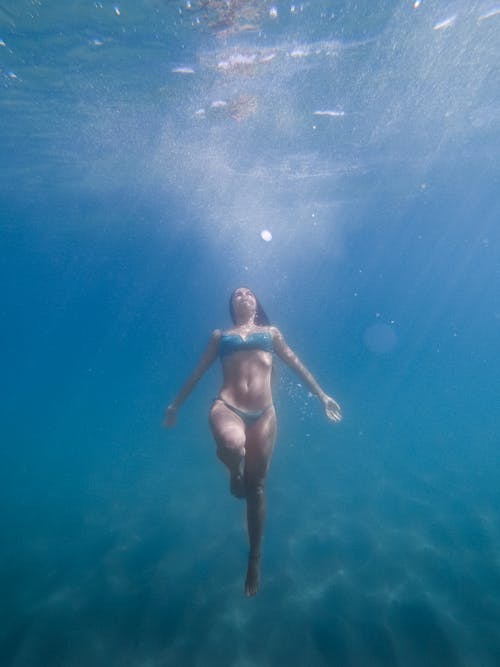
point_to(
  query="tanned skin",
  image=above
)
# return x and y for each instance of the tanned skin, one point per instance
(246, 449)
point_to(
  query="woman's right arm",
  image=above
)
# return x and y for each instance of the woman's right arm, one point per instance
(330, 405)
(204, 364)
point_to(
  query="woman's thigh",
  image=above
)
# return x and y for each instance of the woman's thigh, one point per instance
(227, 428)
(260, 439)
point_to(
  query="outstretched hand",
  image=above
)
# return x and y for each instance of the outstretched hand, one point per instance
(332, 409)
(170, 417)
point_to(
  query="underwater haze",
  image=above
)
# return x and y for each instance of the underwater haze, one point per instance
(339, 157)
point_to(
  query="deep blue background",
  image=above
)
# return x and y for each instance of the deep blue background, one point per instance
(125, 224)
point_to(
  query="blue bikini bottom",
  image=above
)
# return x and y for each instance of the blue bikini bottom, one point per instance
(248, 417)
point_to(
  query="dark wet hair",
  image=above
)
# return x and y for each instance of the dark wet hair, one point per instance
(261, 319)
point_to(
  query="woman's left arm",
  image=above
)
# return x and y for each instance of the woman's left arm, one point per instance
(284, 352)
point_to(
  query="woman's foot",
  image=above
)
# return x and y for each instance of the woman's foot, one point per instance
(253, 573)
(237, 485)
(237, 480)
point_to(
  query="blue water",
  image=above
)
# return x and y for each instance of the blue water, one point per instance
(146, 145)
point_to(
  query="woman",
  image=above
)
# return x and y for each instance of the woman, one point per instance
(242, 417)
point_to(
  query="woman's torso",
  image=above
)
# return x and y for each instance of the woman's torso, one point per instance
(246, 358)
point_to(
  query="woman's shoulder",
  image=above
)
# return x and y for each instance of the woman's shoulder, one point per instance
(274, 332)
(278, 339)
(216, 335)
(220, 333)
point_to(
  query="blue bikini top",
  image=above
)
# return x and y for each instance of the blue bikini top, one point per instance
(233, 342)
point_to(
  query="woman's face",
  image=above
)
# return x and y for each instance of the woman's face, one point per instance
(244, 303)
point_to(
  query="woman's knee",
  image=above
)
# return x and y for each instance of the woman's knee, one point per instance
(230, 441)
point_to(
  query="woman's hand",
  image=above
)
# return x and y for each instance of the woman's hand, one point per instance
(332, 408)
(170, 417)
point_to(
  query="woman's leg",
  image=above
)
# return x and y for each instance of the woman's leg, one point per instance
(229, 433)
(254, 448)
(260, 438)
